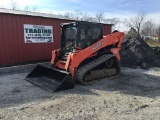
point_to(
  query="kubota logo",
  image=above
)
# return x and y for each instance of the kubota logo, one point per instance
(98, 45)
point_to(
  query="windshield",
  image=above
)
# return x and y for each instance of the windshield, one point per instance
(70, 34)
(88, 36)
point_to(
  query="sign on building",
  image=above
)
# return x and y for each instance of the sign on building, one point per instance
(38, 33)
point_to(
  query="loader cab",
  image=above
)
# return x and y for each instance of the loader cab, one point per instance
(79, 35)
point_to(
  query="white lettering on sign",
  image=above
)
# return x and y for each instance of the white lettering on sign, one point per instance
(98, 45)
(38, 33)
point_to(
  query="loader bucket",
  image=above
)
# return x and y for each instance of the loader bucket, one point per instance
(51, 80)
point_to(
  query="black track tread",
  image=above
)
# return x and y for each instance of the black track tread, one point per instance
(87, 67)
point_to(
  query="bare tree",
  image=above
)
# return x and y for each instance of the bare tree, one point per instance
(85, 16)
(115, 21)
(34, 9)
(13, 5)
(91, 19)
(148, 28)
(158, 32)
(26, 8)
(69, 15)
(136, 21)
(99, 17)
(78, 14)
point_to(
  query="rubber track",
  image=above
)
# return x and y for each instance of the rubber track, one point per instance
(84, 69)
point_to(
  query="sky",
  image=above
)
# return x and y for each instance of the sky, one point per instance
(110, 8)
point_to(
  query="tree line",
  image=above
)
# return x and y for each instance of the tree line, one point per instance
(138, 24)
(76, 15)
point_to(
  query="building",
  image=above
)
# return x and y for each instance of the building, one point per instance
(15, 44)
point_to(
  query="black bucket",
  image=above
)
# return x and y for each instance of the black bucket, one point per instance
(49, 79)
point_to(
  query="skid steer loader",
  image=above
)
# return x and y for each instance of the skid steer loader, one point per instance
(85, 56)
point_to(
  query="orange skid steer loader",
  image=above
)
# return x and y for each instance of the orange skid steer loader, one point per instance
(85, 56)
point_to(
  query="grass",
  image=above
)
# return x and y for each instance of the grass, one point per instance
(153, 43)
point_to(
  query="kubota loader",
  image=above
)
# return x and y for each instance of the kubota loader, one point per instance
(85, 55)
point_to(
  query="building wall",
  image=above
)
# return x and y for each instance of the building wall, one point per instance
(13, 50)
(107, 29)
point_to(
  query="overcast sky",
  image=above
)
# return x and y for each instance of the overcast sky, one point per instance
(111, 8)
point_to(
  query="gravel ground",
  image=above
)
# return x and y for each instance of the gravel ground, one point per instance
(135, 94)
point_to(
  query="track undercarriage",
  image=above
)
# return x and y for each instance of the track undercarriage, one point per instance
(104, 66)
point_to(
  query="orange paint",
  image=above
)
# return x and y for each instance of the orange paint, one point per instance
(74, 59)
